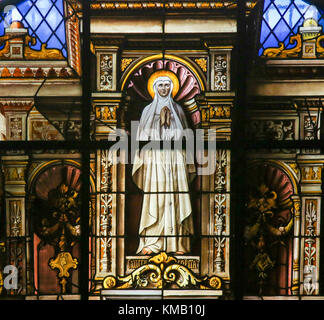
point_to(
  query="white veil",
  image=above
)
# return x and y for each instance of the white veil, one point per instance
(145, 128)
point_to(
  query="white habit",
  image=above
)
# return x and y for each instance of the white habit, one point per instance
(161, 174)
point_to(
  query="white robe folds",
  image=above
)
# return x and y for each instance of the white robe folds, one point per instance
(162, 174)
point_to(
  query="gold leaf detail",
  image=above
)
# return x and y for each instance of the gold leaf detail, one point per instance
(161, 270)
(125, 63)
(202, 63)
(281, 52)
(44, 53)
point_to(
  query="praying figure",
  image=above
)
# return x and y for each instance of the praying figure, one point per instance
(166, 218)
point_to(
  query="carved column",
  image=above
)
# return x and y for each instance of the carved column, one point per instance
(296, 253)
(106, 215)
(14, 168)
(311, 191)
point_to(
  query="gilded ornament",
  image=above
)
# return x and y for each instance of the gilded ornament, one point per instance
(5, 51)
(125, 63)
(215, 282)
(60, 227)
(43, 54)
(31, 54)
(63, 262)
(109, 282)
(162, 258)
(160, 272)
(202, 63)
(319, 47)
(281, 52)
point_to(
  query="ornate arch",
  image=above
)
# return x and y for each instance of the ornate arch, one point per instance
(191, 80)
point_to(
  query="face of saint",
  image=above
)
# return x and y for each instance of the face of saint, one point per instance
(163, 88)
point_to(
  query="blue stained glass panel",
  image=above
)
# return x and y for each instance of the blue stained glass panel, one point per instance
(282, 7)
(54, 43)
(33, 18)
(44, 20)
(53, 18)
(59, 6)
(271, 41)
(272, 16)
(44, 32)
(284, 17)
(266, 31)
(281, 30)
(60, 31)
(43, 6)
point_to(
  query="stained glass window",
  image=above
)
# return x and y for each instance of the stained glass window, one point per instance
(81, 218)
(44, 20)
(283, 19)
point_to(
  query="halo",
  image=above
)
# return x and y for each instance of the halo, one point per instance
(163, 73)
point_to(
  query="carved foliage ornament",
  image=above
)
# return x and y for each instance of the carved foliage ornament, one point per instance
(272, 129)
(57, 216)
(310, 254)
(162, 271)
(269, 219)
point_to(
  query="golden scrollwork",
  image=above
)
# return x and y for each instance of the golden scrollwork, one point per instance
(281, 52)
(63, 262)
(31, 54)
(202, 63)
(215, 282)
(319, 47)
(160, 272)
(125, 62)
(4, 52)
(44, 53)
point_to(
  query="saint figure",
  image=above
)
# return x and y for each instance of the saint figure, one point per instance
(166, 218)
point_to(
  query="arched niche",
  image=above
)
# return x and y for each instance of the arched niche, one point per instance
(53, 216)
(134, 83)
(271, 229)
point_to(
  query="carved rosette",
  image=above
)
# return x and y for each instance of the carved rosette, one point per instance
(161, 272)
